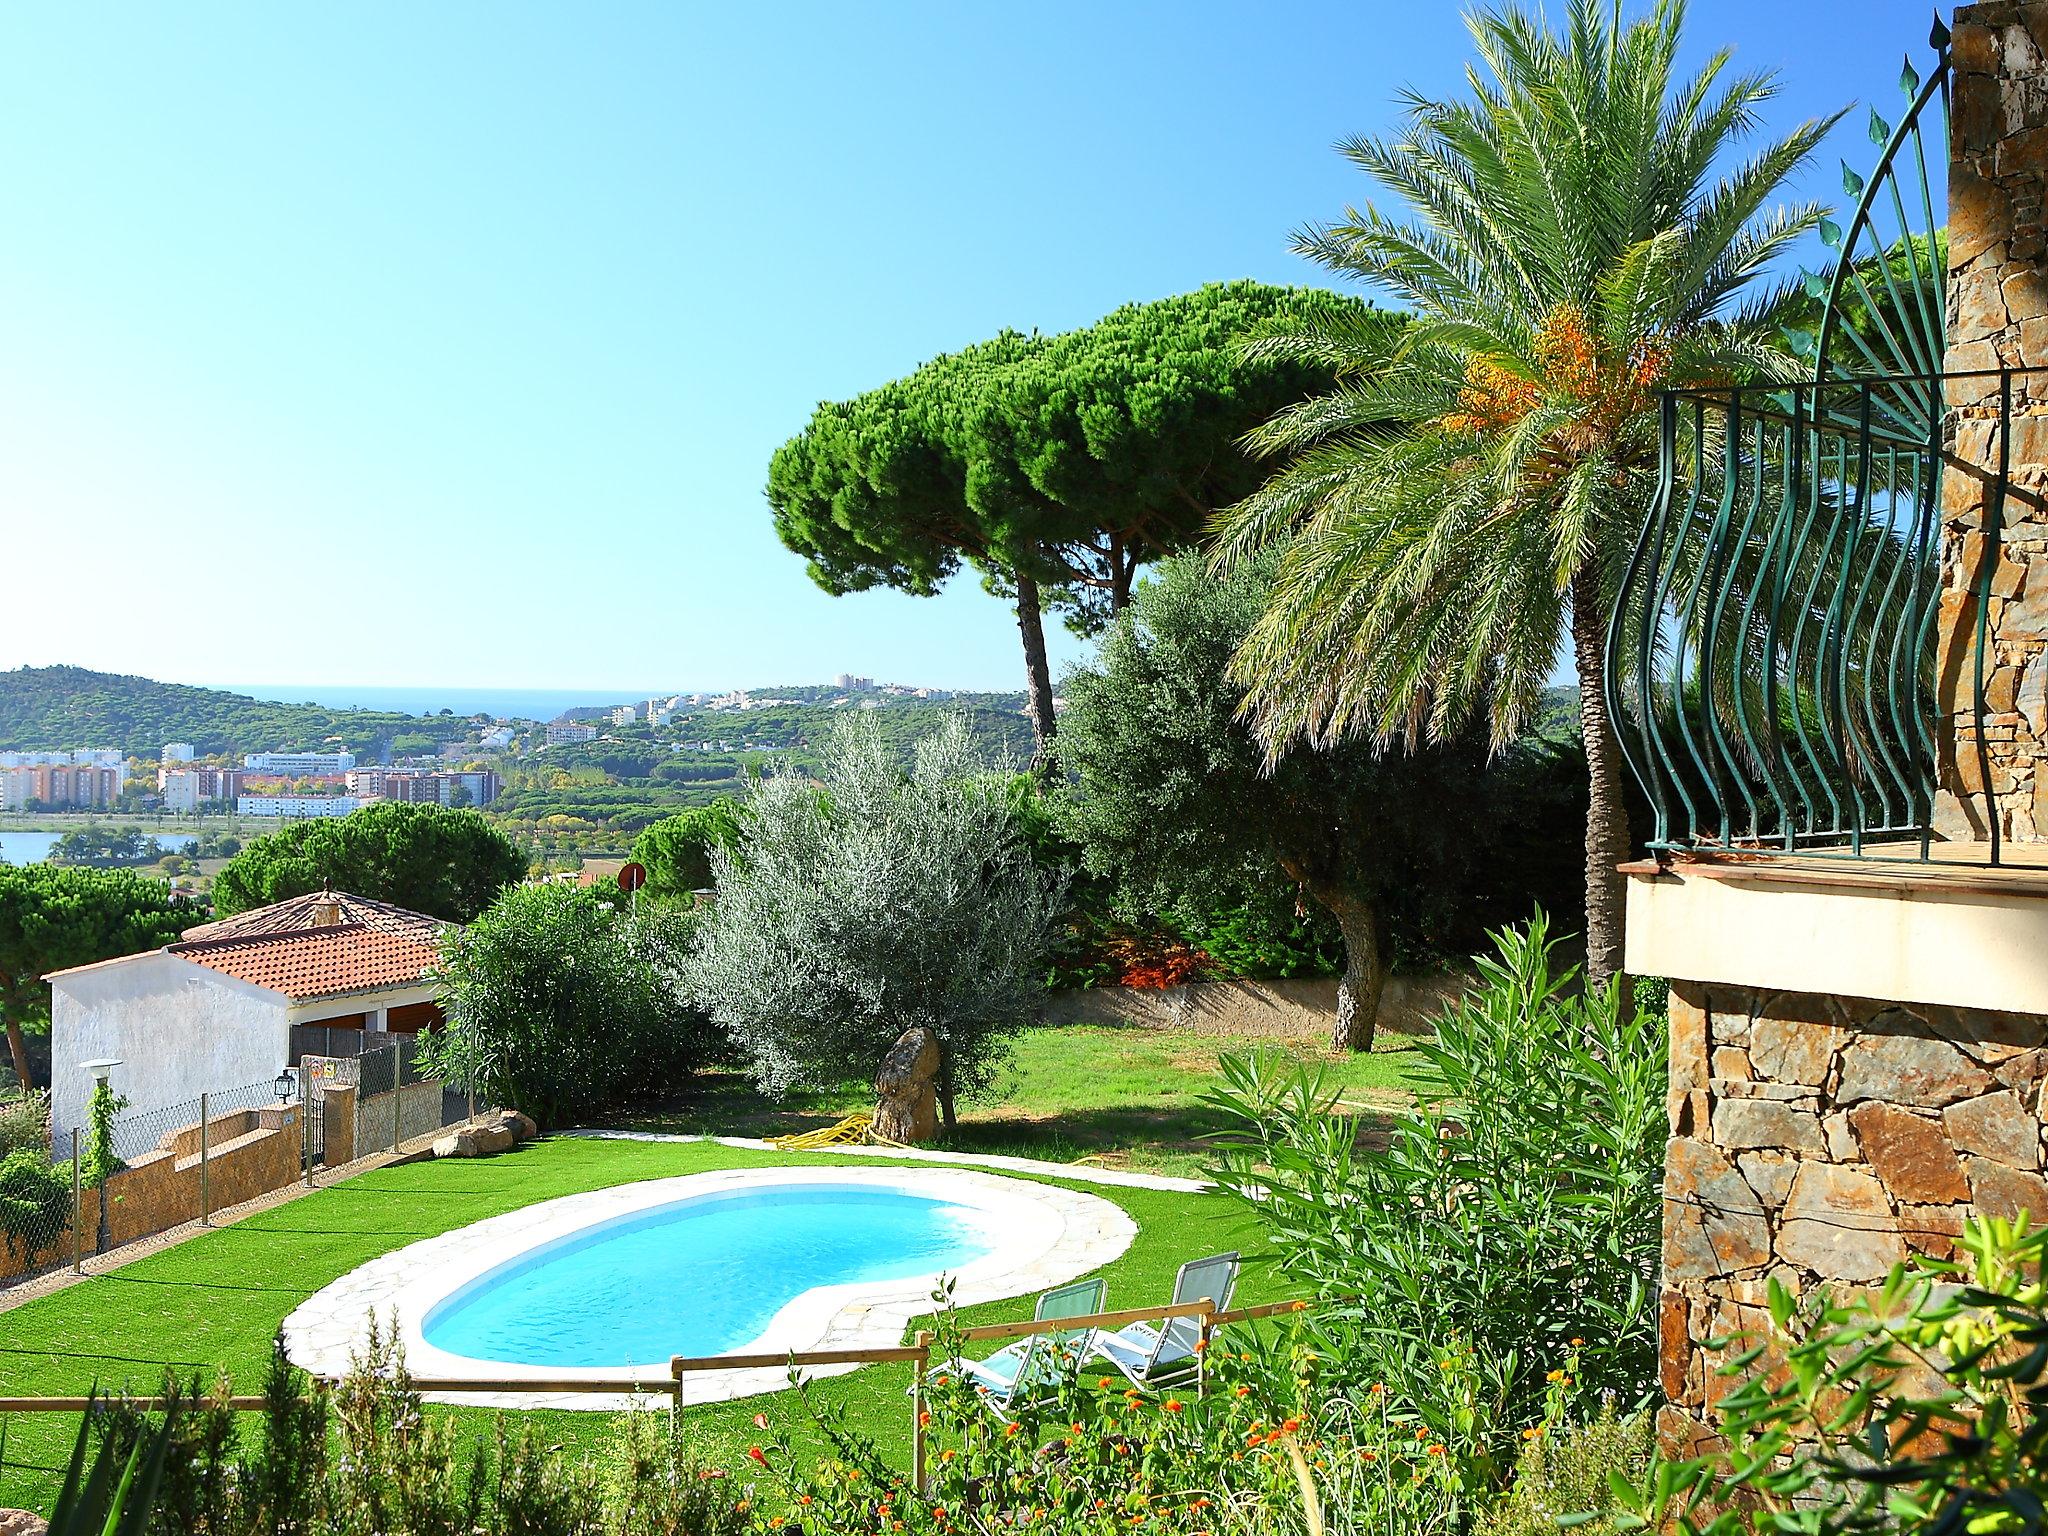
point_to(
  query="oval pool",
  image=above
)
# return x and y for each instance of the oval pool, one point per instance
(700, 1276)
(603, 1287)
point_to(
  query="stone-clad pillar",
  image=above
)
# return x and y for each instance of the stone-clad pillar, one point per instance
(1997, 318)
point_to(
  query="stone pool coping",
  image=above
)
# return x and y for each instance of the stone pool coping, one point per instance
(1053, 1235)
(1076, 1172)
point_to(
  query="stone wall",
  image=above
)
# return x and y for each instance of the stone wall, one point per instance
(1824, 1139)
(1997, 318)
(1304, 1009)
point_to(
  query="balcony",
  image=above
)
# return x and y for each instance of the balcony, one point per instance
(1826, 668)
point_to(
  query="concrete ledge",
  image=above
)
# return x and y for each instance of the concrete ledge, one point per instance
(1806, 926)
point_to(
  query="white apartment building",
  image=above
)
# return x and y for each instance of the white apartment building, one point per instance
(299, 764)
(84, 757)
(298, 806)
(570, 732)
(177, 752)
(625, 714)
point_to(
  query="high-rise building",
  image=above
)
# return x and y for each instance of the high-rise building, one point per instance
(570, 731)
(177, 752)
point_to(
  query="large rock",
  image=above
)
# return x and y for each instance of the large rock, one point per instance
(19, 1522)
(1911, 1155)
(475, 1141)
(1747, 1123)
(907, 1088)
(1996, 1126)
(520, 1125)
(1912, 1069)
(1838, 1224)
(1793, 1050)
(1714, 1224)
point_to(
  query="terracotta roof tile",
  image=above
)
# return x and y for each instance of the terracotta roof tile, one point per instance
(300, 913)
(317, 962)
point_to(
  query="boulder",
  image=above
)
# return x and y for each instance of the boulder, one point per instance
(19, 1522)
(906, 1086)
(520, 1125)
(475, 1141)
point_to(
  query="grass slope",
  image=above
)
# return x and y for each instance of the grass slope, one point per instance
(1130, 1098)
(214, 1302)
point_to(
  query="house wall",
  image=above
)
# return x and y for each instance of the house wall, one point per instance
(178, 1029)
(1997, 317)
(1823, 1139)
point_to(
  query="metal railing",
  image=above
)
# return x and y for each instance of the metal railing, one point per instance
(1772, 654)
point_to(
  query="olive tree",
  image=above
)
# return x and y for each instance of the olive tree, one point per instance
(871, 902)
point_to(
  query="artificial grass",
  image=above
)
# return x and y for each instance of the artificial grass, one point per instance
(1130, 1098)
(214, 1302)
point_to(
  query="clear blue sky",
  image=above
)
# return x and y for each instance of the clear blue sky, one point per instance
(425, 344)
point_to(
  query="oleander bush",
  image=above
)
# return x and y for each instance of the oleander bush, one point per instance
(1505, 1241)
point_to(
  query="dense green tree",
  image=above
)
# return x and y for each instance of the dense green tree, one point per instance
(53, 917)
(562, 1003)
(1055, 465)
(676, 851)
(1581, 230)
(1174, 797)
(880, 902)
(445, 863)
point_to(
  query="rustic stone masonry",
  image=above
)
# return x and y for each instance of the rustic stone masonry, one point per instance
(1997, 317)
(1822, 1140)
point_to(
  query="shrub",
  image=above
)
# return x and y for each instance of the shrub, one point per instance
(876, 901)
(560, 1003)
(24, 1121)
(35, 1202)
(1916, 1406)
(1565, 1472)
(445, 863)
(1513, 1218)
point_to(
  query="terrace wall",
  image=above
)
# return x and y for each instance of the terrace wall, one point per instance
(1821, 1140)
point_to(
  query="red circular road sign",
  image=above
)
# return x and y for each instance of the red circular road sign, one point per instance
(632, 877)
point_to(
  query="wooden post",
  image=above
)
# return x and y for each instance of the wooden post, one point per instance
(1203, 1337)
(77, 1209)
(205, 1205)
(917, 1410)
(675, 1399)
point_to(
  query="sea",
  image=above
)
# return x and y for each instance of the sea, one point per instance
(498, 703)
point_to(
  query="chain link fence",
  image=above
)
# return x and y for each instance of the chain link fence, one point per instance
(182, 1162)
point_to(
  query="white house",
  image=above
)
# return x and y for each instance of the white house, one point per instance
(216, 1010)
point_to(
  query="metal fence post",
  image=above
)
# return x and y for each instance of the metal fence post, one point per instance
(77, 1208)
(205, 1151)
(397, 1102)
(306, 1125)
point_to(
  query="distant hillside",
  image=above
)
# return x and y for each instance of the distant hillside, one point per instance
(49, 708)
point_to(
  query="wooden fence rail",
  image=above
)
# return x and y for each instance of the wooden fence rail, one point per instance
(918, 1354)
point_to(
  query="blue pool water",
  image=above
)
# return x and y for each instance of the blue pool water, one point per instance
(698, 1277)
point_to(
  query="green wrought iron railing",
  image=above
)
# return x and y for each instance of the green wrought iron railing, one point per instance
(1771, 663)
(1771, 658)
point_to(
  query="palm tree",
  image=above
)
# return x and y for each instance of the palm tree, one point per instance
(1465, 497)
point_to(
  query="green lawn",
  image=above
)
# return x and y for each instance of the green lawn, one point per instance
(1127, 1098)
(216, 1300)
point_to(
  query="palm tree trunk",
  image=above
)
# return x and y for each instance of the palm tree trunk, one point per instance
(1607, 836)
(17, 1047)
(1037, 670)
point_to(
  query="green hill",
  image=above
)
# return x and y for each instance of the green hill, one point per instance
(50, 708)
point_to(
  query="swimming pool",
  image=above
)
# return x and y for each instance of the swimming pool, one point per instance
(607, 1285)
(701, 1276)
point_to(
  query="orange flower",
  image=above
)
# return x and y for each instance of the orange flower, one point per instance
(1173, 1405)
(756, 1453)
(1013, 1429)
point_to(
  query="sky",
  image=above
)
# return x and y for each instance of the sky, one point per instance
(448, 344)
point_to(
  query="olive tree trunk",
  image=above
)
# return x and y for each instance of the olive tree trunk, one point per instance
(1607, 835)
(1365, 969)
